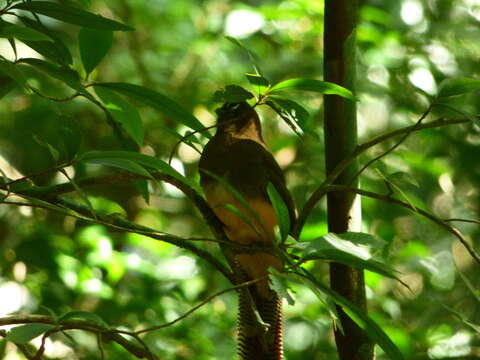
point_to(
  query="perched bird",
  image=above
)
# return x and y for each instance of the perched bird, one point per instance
(238, 158)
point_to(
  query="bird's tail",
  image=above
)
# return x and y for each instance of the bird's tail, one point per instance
(260, 327)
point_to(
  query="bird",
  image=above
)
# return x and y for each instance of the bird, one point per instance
(235, 169)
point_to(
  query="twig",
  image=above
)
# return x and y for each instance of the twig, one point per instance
(424, 213)
(80, 324)
(319, 193)
(463, 220)
(399, 142)
(207, 300)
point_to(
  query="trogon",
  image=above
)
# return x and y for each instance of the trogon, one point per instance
(237, 158)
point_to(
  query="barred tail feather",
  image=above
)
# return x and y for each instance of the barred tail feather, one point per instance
(251, 344)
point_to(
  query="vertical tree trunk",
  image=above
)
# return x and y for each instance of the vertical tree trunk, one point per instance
(344, 213)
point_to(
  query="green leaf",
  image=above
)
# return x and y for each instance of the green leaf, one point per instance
(251, 55)
(239, 197)
(144, 160)
(157, 101)
(260, 83)
(8, 30)
(84, 315)
(56, 51)
(53, 152)
(322, 87)
(63, 73)
(24, 333)
(71, 15)
(345, 250)
(142, 187)
(295, 112)
(279, 284)
(6, 85)
(94, 45)
(458, 86)
(123, 164)
(9, 69)
(281, 210)
(232, 94)
(359, 245)
(242, 216)
(371, 328)
(122, 111)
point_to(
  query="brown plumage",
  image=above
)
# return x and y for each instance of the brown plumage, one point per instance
(238, 155)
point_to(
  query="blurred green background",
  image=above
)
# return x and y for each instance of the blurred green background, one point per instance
(405, 50)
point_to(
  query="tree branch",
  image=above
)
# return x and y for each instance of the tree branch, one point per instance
(360, 149)
(426, 214)
(80, 324)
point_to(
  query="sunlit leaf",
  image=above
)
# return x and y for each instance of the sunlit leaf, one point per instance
(279, 284)
(260, 83)
(72, 15)
(122, 111)
(24, 333)
(458, 86)
(322, 87)
(94, 45)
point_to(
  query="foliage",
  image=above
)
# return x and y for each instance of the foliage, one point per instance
(100, 232)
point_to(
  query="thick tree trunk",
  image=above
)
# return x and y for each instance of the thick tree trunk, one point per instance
(344, 213)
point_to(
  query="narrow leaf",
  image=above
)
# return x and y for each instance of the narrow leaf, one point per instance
(281, 210)
(242, 216)
(63, 73)
(56, 51)
(123, 164)
(279, 284)
(145, 160)
(71, 15)
(458, 86)
(322, 87)
(124, 112)
(84, 315)
(260, 83)
(24, 333)
(9, 69)
(8, 30)
(94, 45)
(157, 101)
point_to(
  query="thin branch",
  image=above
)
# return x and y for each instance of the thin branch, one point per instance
(416, 210)
(80, 324)
(319, 193)
(51, 98)
(463, 220)
(204, 302)
(397, 144)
